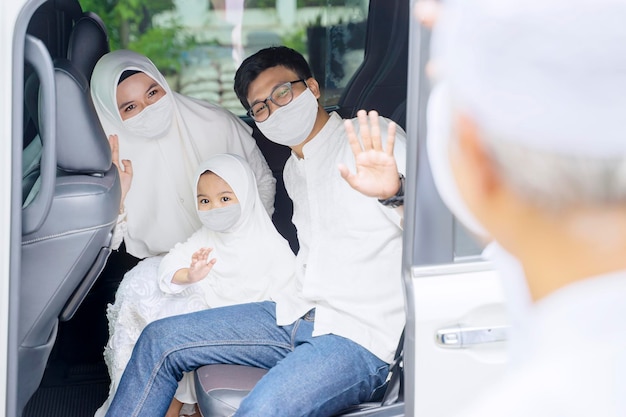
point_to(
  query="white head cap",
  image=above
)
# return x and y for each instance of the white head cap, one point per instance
(549, 74)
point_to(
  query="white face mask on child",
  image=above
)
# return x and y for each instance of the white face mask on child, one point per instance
(291, 124)
(154, 120)
(220, 219)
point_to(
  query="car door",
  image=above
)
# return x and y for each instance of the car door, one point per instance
(12, 56)
(456, 317)
(12, 52)
(9, 231)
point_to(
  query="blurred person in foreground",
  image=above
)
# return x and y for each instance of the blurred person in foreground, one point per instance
(536, 147)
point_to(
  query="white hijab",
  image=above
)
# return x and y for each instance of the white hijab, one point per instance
(253, 259)
(160, 205)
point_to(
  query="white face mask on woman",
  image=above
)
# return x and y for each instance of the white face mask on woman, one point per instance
(154, 120)
(220, 219)
(291, 124)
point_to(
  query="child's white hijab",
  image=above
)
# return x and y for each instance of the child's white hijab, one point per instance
(253, 259)
(160, 204)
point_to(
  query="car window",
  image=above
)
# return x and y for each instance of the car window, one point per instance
(465, 245)
(199, 45)
(433, 235)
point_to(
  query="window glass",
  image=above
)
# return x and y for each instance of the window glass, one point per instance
(31, 142)
(198, 44)
(465, 245)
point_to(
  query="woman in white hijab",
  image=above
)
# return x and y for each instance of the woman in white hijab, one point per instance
(162, 136)
(237, 256)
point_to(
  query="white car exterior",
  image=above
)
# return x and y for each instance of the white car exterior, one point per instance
(9, 11)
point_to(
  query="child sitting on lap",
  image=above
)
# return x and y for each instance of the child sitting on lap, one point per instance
(237, 256)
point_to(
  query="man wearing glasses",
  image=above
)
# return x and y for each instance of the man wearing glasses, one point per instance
(329, 339)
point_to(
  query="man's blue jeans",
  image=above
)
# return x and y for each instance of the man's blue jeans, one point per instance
(309, 376)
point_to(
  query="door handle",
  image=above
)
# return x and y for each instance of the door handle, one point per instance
(462, 337)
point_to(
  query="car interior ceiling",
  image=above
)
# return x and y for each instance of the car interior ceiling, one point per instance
(75, 381)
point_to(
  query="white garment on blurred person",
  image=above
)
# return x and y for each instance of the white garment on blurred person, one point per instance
(574, 362)
(548, 77)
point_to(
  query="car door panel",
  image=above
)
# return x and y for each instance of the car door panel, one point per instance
(460, 335)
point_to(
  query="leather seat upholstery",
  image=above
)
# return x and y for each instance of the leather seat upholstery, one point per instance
(62, 257)
(88, 42)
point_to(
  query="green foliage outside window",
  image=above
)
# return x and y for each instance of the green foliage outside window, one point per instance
(319, 3)
(296, 40)
(260, 4)
(129, 24)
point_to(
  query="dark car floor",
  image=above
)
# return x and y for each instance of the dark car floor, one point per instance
(76, 381)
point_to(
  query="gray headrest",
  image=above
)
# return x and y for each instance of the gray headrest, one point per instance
(88, 42)
(82, 145)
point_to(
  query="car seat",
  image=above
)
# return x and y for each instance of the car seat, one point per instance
(221, 388)
(88, 42)
(67, 220)
(382, 84)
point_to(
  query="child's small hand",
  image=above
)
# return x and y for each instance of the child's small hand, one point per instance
(200, 265)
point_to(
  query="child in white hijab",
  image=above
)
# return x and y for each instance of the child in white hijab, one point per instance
(249, 258)
(161, 137)
(236, 256)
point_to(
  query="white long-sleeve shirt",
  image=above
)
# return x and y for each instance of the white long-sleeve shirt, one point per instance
(349, 263)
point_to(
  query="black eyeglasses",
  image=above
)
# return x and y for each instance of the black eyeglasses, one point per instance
(281, 96)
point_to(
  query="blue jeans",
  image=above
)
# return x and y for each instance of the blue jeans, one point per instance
(309, 376)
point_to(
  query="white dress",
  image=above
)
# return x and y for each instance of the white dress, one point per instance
(139, 301)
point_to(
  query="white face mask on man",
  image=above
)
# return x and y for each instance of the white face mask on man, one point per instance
(291, 124)
(154, 120)
(220, 219)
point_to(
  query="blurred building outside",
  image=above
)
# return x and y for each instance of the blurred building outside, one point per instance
(332, 38)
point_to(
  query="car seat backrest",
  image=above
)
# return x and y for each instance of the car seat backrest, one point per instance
(86, 152)
(80, 144)
(380, 82)
(89, 41)
(64, 253)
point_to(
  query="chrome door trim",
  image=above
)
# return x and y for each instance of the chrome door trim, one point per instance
(479, 265)
(459, 336)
